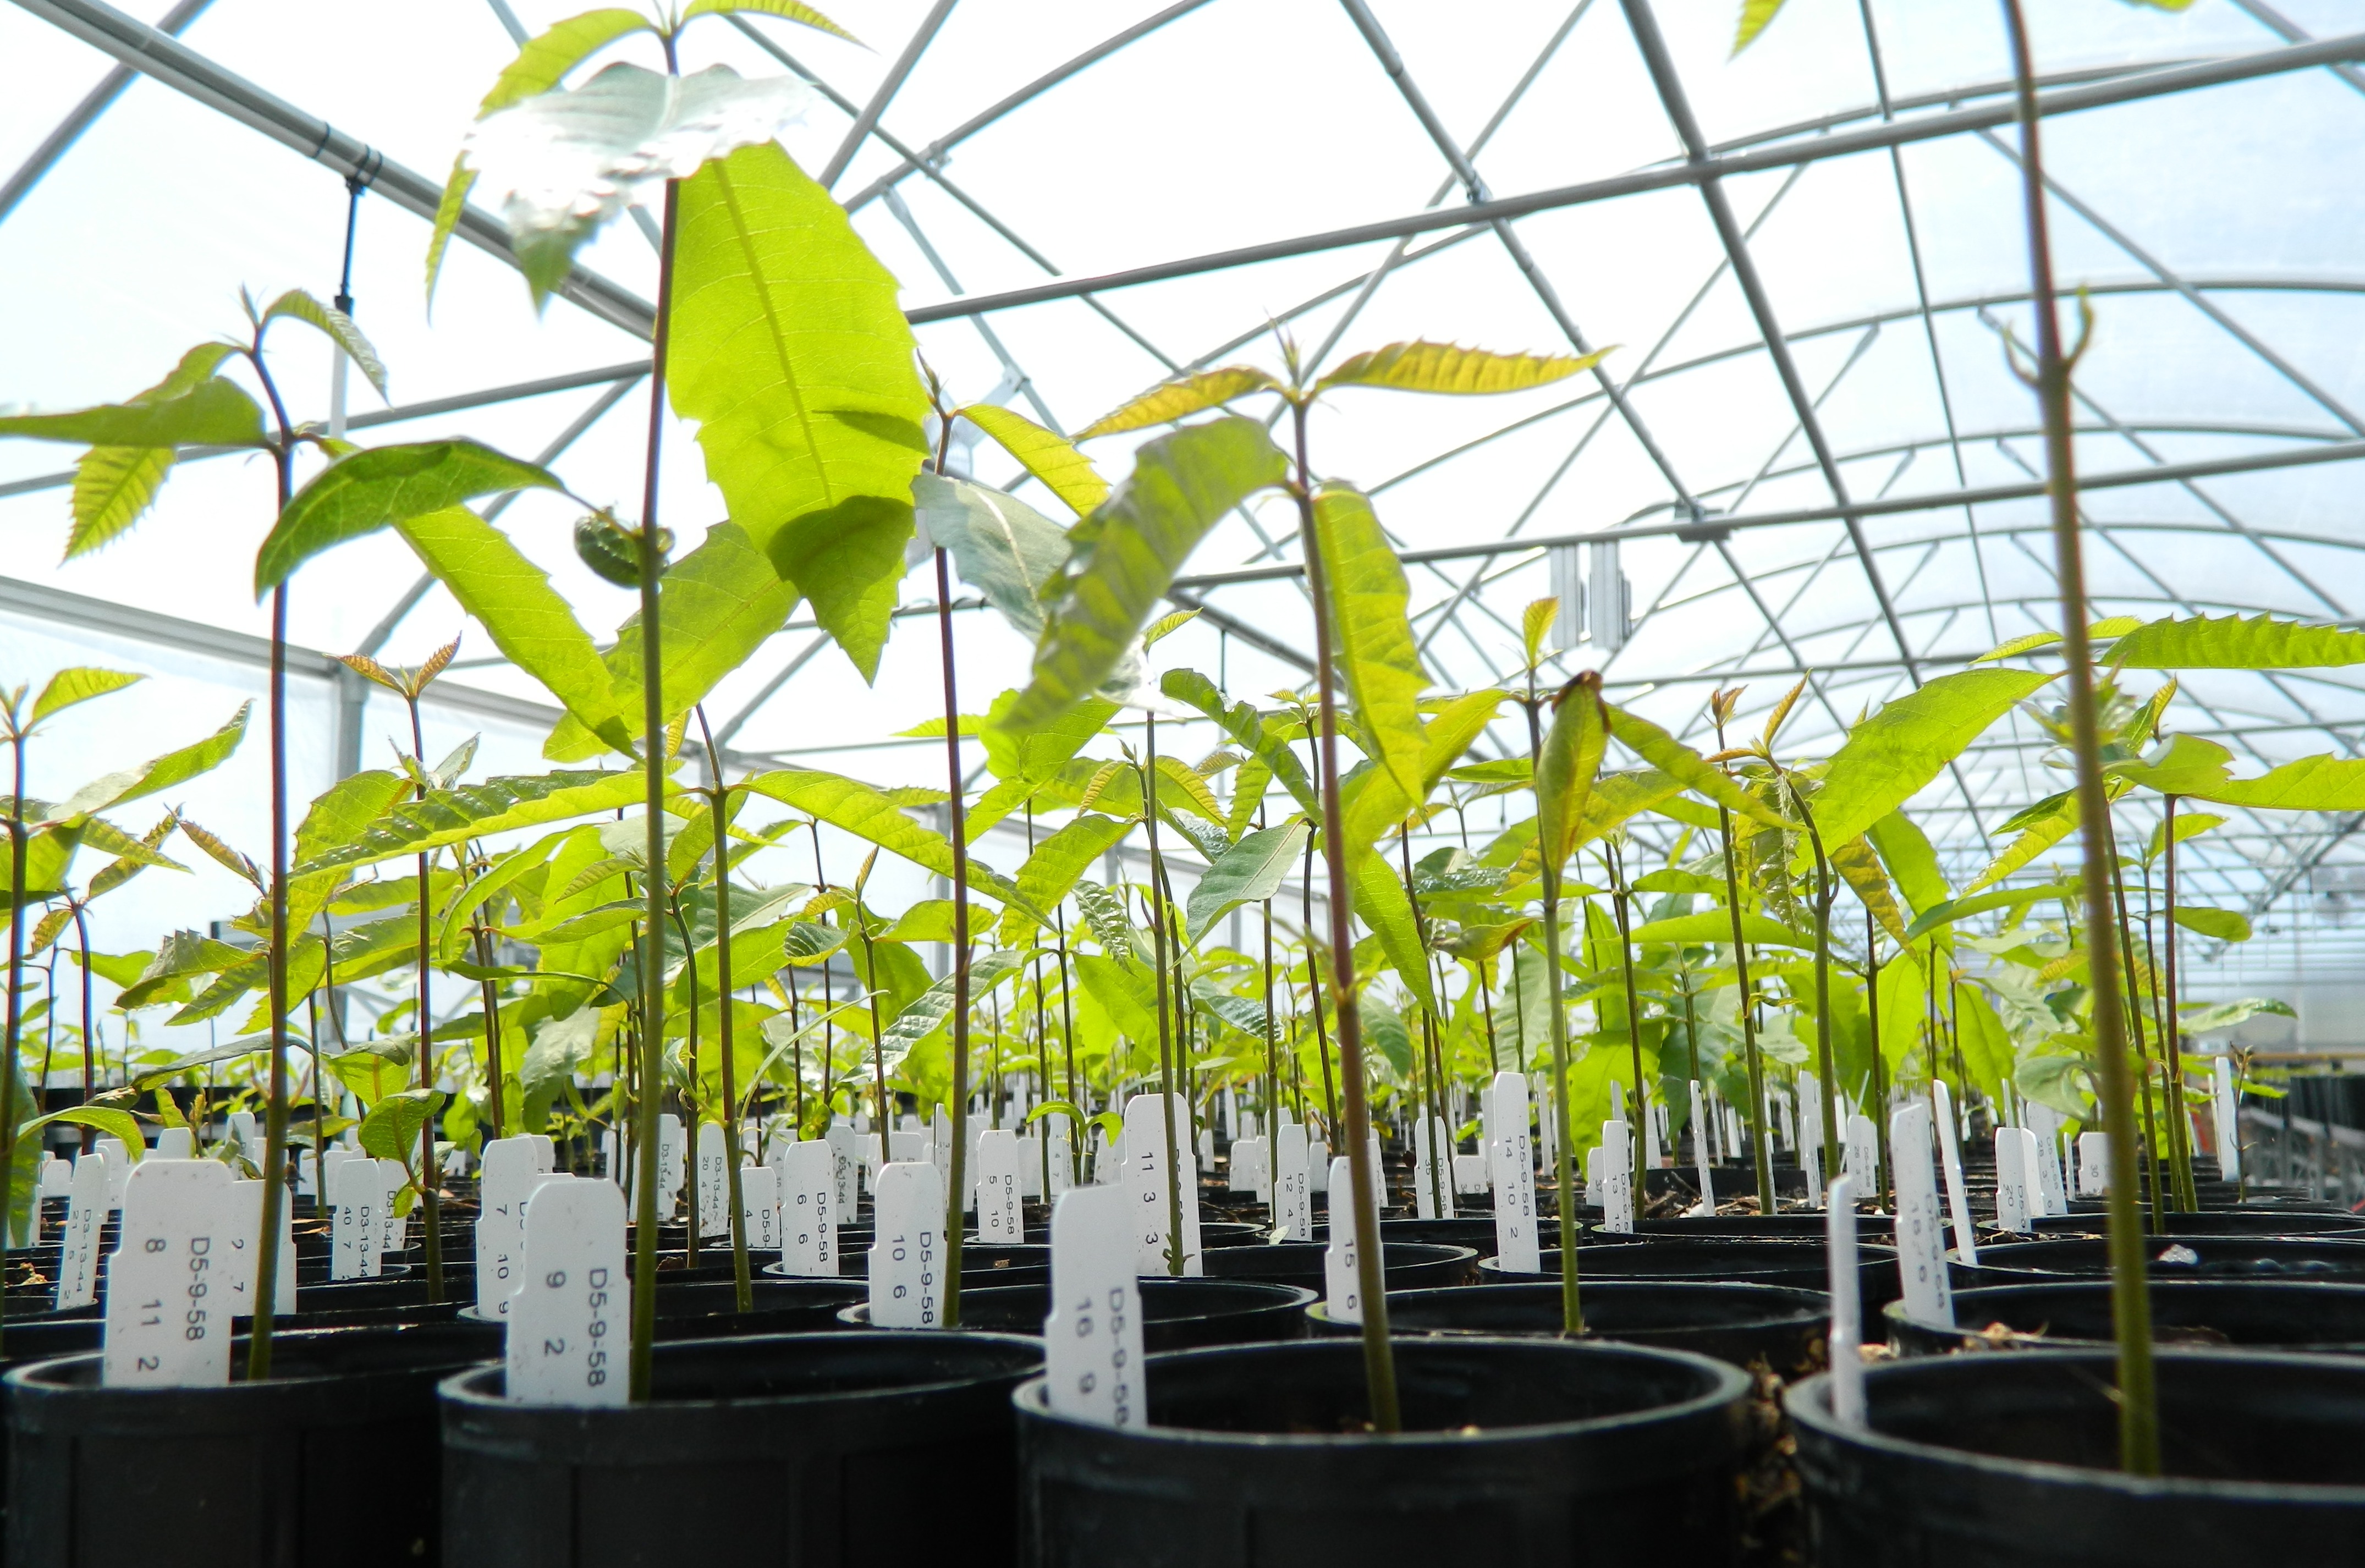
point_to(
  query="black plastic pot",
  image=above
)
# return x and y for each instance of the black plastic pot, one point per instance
(2214, 1222)
(2271, 1315)
(1741, 1323)
(1596, 1453)
(1802, 1265)
(1176, 1314)
(332, 1461)
(2171, 1257)
(1409, 1265)
(1809, 1226)
(708, 1308)
(810, 1449)
(2012, 1459)
(1478, 1235)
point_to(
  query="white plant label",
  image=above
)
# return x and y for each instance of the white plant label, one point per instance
(1862, 1157)
(2094, 1162)
(1958, 1203)
(759, 1207)
(809, 1209)
(168, 1318)
(242, 1244)
(119, 1168)
(1343, 1297)
(2228, 1117)
(394, 1233)
(1811, 1136)
(356, 1226)
(546, 1151)
(1847, 1308)
(1293, 1197)
(2048, 1163)
(508, 1171)
(1063, 1152)
(569, 1324)
(2015, 1150)
(1092, 1339)
(1248, 1173)
(1700, 1153)
(1145, 1184)
(1617, 1153)
(176, 1143)
(846, 1159)
(1514, 1176)
(1318, 1166)
(1000, 1219)
(1921, 1233)
(1469, 1174)
(1433, 1171)
(907, 1261)
(78, 1249)
(673, 1163)
(1033, 1155)
(57, 1177)
(714, 1185)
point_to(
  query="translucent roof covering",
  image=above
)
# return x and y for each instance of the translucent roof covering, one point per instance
(1807, 453)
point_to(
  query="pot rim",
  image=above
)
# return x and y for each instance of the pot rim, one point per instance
(1808, 1403)
(1615, 1286)
(1030, 1399)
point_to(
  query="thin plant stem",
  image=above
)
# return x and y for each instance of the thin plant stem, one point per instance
(959, 826)
(718, 799)
(1620, 893)
(1572, 1308)
(429, 1187)
(2172, 1023)
(1165, 1039)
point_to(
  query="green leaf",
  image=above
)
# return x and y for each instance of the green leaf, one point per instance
(212, 413)
(1051, 458)
(2189, 824)
(1103, 911)
(1755, 17)
(1905, 849)
(174, 768)
(864, 811)
(336, 326)
(787, 10)
(2311, 784)
(1050, 872)
(114, 1123)
(2100, 630)
(718, 605)
(480, 811)
(1383, 906)
(1385, 1027)
(1861, 868)
(1424, 366)
(2210, 1017)
(383, 485)
(1890, 756)
(1245, 727)
(810, 941)
(2233, 642)
(530, 621)
(79, 684)
(791, 351)
(1714, 926)
(1180, 399)
(1372, 646)
(1243, 1014)
(2039, 835)
(1567, 765)
(2062, 1082)
(926, 1014)
(1248, 872)
(2225, 924)
(1037, 756)
(390, 1131)
(999, 546)
(1126, 554)
(1125, 991)
(1691, 770)
(1979, 903)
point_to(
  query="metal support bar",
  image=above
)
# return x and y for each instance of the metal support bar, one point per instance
(86, 114)
(865, 122)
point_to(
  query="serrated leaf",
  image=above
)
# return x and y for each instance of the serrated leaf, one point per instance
(1536, 623)
(869, 814)
(113, 488)
(791, 351)
(810, 941)
(1248, 872)
(1177, 777)
(2232, 641)
(1424, 367)
(1382, 904)
(478, 811)
(1863, 873)
(391, 1129)
(1755, 17)
(563, 163)
(336, 326)
(212, 413)
(79, 684)
(530, 622)
(1037, 755)
(382, 486)
(1050, 872)
(2039, 835)
(1242, 1012)
(1906, 850)
(2201, 1019)
(1125, 994)
(1123, 556)
(1180, 399)
(1890, 756)
(174, 768)
(926, 1014)
(787, 10)
(1103, 911)
(1246, 727)
(1372, 646)
(1050, 457)
(1691, 770)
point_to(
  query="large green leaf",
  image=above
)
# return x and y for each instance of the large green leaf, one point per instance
(791, 353)
(1193, 393)
(787, 10)
(334, 325)
(1567, 765)
(1125, 555)
(1245, 727)
(383, 485)
(2225, 925)
(866, 814)
(1037, 755)
(1380, 901)
(1890, 756)
(2233, 642)
(346, 811)
(1757, 16)
(1690, 769)
(480, 811)
(115, 485)
(1715, 926)
(214, 412)
(1385, 1027)
(79, 684)
(1248, 872)
(1000, 546)
(1125, 991)
(1424, 367)
(541, 64)
(1050, 872)
(1373, 647)
(1051, 458)
(926, 1013)
(1946, 914)
(717, 605)
(1905, 849)
(529, 621)
(1861, 868)
(2037, 835)
(174, 768)
(390, 1131)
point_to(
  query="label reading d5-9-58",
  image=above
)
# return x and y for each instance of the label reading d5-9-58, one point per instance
(168, 1321)
(566, 1323)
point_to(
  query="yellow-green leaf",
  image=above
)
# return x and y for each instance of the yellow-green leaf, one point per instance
(1681, 762)
(1050, 457)
(1180, 399)
(1424, 367)
(787, 10)
(79, 684)
(1373, 647)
